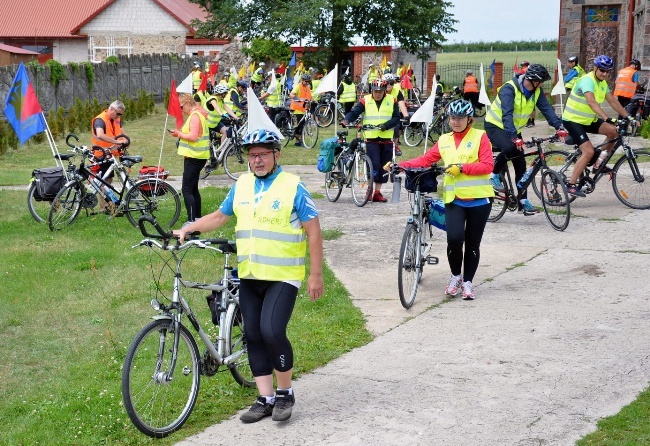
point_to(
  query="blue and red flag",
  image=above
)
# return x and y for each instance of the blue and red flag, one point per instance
(22, 109)
(493, 69)
(290, 70)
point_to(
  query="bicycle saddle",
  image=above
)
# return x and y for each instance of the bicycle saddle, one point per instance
(64, 156)
(134, 159)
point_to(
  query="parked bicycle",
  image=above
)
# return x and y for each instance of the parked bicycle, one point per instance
(288, 122)
(325, 109)
(352, 168)
(419, 234)
(163, 366)
(45, 183)
(552, 190)
(415, 132)
(627, 176)
(230, 155)
(149, 196)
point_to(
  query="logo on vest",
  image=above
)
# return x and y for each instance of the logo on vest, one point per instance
(469, 145)
(276, 205)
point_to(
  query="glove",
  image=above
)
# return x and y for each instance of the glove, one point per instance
(519, 143)
(611, 121)
(454, 170)
(406, 120)
(388, 166)
(382, 127)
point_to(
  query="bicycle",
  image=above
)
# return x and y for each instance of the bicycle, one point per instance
(324, 113)
(628, 174)
(288, 122)
(230, 155)
(352, 168)
(163, 367)
(146, 196)
(414, 132)
(418, 235)
(45, 184)
(552, 190)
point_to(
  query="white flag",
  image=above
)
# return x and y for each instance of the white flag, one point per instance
(185, 86)
(482, 94)
(559, 87)
(425, 112)
(274, 83)
(257, 117)
(328, 83)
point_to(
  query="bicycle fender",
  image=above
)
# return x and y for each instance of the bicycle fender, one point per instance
(160, 317)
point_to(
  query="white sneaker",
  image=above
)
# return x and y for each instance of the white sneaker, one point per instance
(468, 290)
(455, 283)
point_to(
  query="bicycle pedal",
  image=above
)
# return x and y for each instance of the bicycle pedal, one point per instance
(432, 260)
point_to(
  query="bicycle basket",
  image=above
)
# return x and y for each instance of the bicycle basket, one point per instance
(49, 181)
(428, 181)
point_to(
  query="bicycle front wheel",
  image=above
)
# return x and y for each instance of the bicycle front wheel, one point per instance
(408, 273)
(158, 399)
(629, 180)
(324, 115)
(65, 207)
(38, 207)
(240, 369)
(413, 134)
(499, 202)
(362, 180)
(153, 197)
(555, 200)
(309, 133)
(234, 162)
(556, 160)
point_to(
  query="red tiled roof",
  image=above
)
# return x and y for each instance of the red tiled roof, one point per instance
(16, 50)
(183, 11)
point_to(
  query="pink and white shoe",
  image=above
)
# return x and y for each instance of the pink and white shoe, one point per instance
(455, 283)
(468, 290)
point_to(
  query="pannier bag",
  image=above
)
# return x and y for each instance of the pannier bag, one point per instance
(49, 181)
(327, 154)
(437, 214)
(152, 173)
(428, 181)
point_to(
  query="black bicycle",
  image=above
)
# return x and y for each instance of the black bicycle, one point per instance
(288, 123)
(552, 190)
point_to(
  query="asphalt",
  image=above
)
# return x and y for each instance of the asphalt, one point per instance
(556, 339)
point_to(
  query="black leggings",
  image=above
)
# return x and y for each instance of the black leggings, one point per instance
(500, 139)
(266, 307)
(190, 187)
(465, 225)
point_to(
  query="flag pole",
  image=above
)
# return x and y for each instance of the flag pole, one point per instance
(55, 150)
(162, 144)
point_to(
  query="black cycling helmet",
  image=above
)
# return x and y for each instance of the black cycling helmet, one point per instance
(636, 63)
(378, 84)
(262, 138)
(604, 62)
(537, 73)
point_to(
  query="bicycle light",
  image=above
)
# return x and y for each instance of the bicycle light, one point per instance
(155, 304)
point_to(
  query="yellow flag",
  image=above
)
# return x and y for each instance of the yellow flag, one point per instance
(242, 72)
(251, 68)
(301, 67)
(383, 64)
(408, 68)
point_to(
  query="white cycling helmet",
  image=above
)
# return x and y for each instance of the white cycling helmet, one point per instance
(221, 89)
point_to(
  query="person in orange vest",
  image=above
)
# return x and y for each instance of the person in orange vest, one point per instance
(300, 94)
(627, 80)
(470, 88)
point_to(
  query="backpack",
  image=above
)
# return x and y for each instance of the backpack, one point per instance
(327, 154)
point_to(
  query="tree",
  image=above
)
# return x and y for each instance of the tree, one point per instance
(330, 24)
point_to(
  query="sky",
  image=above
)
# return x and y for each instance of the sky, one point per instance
(505, 20)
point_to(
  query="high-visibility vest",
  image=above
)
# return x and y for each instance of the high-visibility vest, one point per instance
(577, 109)
(522, 108)
(214, 116)
(302, 92)
(196, 79)
(228, 101)
(378, 116)
(314, 84)
(232, 81)
(574, 79)
(275, 99)
(372, 75)
(349, 93)
(200, 148)
(463, 186)
(257, 76)
(268, 247)
(471, 84)
(113, 128)
(624, 85)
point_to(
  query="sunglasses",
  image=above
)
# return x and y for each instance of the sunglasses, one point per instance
(604, 71)
(390, 83)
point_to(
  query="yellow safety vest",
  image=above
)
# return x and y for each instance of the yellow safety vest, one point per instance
(577, 110)
(372, 75)
(257, 76)
(232, 81)
(315, 83)
(624, 85)
(463, 186)
(274, 99)
(572, 82)
(268, 247)
(522, 108)
(228, 101)
(200, 148)
(214, 116)
(196, 79)
(378, 116)
(349, 93)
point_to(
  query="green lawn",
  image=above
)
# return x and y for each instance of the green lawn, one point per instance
(545, 58)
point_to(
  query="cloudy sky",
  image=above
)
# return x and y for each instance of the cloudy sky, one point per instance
(505, 20)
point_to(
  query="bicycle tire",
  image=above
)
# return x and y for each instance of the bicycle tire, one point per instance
(407, 273)
(334, 182)
(150, 197)
(632, 193)
(557, 161)
(157, 406)
(234, 162)
(499, 202)
(479, 112)
(362, 180)
(39, 209)
(66, 206)
(236, 338)
(413, 134)
(309, 133)
(555, 200)
(324, 115)
(283, 123)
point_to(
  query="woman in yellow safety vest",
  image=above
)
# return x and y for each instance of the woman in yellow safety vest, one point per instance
(194, 146)
(466, 192)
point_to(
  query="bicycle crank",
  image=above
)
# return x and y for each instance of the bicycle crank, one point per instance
(209, 365)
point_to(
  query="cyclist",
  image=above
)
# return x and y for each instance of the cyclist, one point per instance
(626, 82)
(273, 100)
(440, 87)
(508, 114)
(470, 88)
(197, 76)
(276, 220)
(378, 109)
(393, 90)
(217, 108)
(575, 73)
(583, 114)
(467, 192)
(258, 75)
(234, 99)
(347, 93)
(300, 93)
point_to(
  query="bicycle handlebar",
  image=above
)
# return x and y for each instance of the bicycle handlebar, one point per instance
(535, 141)
(168, 235)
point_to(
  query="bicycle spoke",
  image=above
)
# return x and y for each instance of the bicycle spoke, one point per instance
(555, 200)
(631, 180)
(408, 270)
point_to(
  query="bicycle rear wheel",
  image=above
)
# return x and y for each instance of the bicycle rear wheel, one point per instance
(283, 123)
(408, 274)
(334, 182)
(309, 133)
(38, 207)
(234, 162)
(556, 160)
(413, 134)
(629, 180)
(362, 180)
(324, 115)
(157, 403)
(240, 369)
(65, 207)
(150, 197)
(555, 200)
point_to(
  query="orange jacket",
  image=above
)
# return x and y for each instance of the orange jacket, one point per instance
(624, 85)
(303, 93)
(113, 128)
(471, 84)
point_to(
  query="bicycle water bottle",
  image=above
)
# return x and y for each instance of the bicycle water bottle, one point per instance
(397, 187)
(523, 179)
(111, 195)
(600, 159)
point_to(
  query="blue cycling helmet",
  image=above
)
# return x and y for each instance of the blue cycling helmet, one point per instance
(461, 107)
(242, 84)
(604, 62)
(262, 138)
